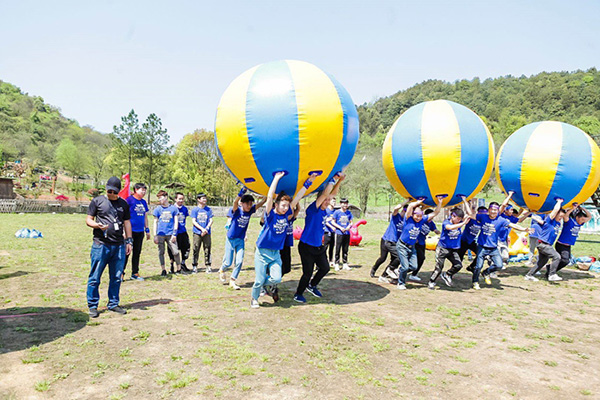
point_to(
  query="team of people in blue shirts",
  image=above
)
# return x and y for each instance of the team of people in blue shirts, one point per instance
(484, 232)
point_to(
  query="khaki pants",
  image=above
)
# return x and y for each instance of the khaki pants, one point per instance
(162, 239)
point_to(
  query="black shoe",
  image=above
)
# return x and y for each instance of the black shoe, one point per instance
(184, 268)
(93, 312)
(118, 310)
(275, 295)
(178, 271)
(372, 274)
(172, 270)
(163, 273)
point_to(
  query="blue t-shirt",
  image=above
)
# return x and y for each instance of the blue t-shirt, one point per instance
(411, 229)
(537, 228)
(166, 219)
(137, 210)
(274, 232)
(313, 225)
(503, 235)
(239, 223)
(570, 232)
(472, 229)
(181, 216)
(490, 230)
(450, 239)
(289, 238)
(425, 229)
(343, 219)
(326, 227)
(394, 229)
(550, 230)
(202, 216)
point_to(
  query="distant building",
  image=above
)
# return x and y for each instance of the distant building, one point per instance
(6, 188)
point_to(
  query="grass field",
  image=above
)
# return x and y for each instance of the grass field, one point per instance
(191, 337)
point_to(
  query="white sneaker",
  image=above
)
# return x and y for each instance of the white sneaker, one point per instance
(414, 278)
(222, 277)
(493, 275)
(254, 303)
(233, 285)
(383, 279)
(346, 267)
(208, 270)
(401, 287)
(476, 286)
(539, 272)
(337, 267)
(392, 273)
(531, 278)
(431, 285)
(554, 278)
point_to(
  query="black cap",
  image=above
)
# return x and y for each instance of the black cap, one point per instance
(200, 195)
(113, 183)
(344, 200)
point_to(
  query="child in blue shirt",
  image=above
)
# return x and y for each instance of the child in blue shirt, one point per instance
(310, 247)
(235, 239)
(342, 222)
(413, 221)
(448, 247)
(420, 246)
(551, 225)
(165, 230)
(267, 259)
(202, 220)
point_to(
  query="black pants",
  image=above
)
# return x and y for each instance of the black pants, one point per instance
(441, 254)
(183, 244)
(565, 255)
(464, 247)
(341, 242)
(546, 252)
(200, 241)
(329, 243)
(386, 247)
(311, 256)
(138, 241)
(420, 249)
(286, 259)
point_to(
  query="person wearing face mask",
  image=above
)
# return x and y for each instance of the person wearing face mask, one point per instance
(109, 216)
(202, 219)
(413, 221)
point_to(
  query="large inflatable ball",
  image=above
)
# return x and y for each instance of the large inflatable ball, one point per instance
(438, 148)
(285, 116)
(547, 160)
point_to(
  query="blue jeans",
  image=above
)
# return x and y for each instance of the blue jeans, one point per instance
(407, 255)
(482, 252)
(234, 249)
(101, 255)
(267, 267)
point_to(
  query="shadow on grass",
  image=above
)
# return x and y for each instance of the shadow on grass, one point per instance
(23, 327)
(143, 305)
(13, 274)
(567, 273)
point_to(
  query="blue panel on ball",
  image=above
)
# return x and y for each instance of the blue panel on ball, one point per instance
(474, 154)
(272, 124)
(408, 154)
(511, 160)
(350, 132)
(575, 153)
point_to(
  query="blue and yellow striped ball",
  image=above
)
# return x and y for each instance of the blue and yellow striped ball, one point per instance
(438, 148)
(285, 116)
(547, 160)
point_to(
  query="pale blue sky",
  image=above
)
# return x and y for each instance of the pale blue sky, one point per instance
(97, 60)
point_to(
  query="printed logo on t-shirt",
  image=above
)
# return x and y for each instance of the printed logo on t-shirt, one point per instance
(242, 221)
(280, 226)
(474, 229)
(414, 232)
(488, 229)
(166, 216)
(202, 218)
(140, 210)
(425, 229)
(454, 234)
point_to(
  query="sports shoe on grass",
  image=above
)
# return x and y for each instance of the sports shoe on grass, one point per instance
(392, 273)
(275, 294)
(118, 310)
(372, 274)
(233, 285)
(299, 298)
(93, 312)
(222, 277)
(401, 286)
(554, 278)
(208, 269)
(431, 285)
(493, 275)
(531, 278)
(346, 267)
(194, 270)
(163, 273)
(487, 278)
(185, 268)
(446, 278)
(414, 278)
(476, 286)
(254, 303)
(337, 267)
(314, 291)
(136, 277)
(383, 279)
